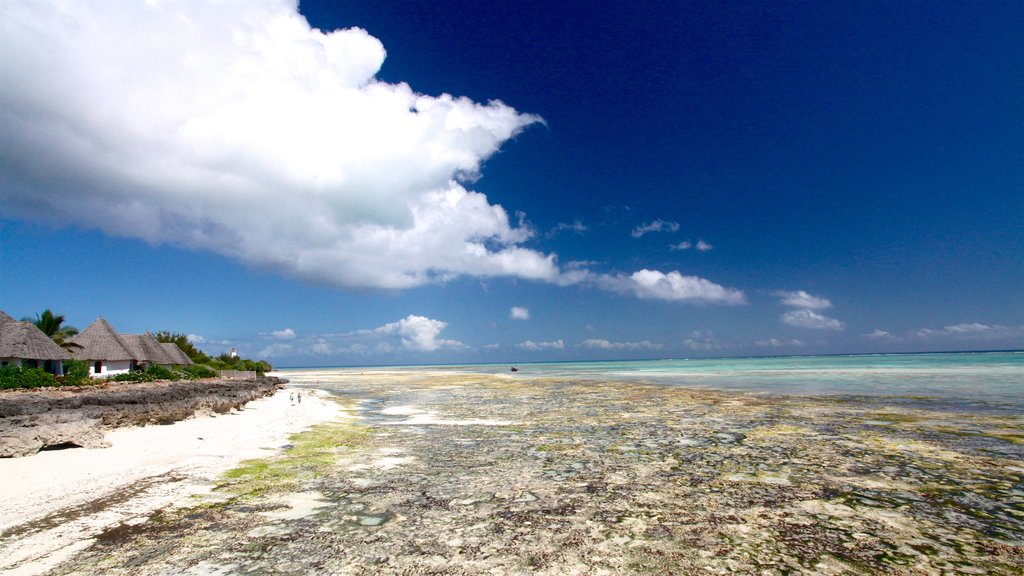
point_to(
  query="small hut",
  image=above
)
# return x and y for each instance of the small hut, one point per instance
(110, 353)
(22, 344)
(106, 351)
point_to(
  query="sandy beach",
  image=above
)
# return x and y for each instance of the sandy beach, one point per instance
(56, 502)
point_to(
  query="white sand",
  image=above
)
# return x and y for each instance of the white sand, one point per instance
(59, 501)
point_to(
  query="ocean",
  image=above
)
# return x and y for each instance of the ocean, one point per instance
(970, 379)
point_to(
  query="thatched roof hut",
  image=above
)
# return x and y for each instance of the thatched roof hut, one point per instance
(101, 342)
(23, 341)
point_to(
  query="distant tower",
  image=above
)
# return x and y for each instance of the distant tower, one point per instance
(233, 353)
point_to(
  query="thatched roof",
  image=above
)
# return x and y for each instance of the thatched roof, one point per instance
(147, 349)
(22, 340)
(179, 356)
(101, 342)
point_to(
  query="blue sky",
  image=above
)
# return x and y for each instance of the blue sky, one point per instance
(408, 182)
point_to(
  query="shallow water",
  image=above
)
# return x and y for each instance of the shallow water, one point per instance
(982, 378)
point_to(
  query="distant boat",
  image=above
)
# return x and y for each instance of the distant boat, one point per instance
(514, 369)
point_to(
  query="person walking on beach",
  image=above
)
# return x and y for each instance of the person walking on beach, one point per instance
(291, 398)
(300, 396)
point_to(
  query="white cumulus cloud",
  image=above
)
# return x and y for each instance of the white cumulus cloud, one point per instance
(535, 346)
(703, 246)
(804, 318)
(519, 313)
(235, 127)
(419, 333)
(602, 344)
(658, 225)
(703, 341)
(879, 334)
(275, 351)
(801, 299)
(286, 334)
(972, 331)
(576, 227)
(779, 343)
(652, 284)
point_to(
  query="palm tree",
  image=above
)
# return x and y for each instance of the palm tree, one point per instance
(51, 325)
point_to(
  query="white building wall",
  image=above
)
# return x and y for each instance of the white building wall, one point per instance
(58, 365)
(110, 368)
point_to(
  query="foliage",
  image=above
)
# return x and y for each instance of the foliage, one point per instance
(152, 373)
(159, 372)
(18, 377)
(196, 371)
(76, 373)
(52, 325)
(185, 344)
(228, 362)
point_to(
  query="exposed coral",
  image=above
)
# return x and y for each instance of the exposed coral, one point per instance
(571, 477)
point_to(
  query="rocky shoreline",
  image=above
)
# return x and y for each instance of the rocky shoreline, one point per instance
(36, 419)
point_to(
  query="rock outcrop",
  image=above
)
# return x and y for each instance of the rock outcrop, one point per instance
(31, 420)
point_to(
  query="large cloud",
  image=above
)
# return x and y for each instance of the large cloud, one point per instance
(235, 127)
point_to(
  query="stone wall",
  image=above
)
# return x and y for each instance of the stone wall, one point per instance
(31, 420)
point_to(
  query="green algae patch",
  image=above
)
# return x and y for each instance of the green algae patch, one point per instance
(1014, 437)
(893, 417)
(313, 454)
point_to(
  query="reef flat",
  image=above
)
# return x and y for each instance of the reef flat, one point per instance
(472, 474)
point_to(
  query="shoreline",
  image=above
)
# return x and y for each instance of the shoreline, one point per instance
(47, 418)
(56, 502)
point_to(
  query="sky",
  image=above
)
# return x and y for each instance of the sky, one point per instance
(383, 182)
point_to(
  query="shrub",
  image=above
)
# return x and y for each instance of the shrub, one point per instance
(197, 371)
(18, 377)
(152, 373)
(135, 376)
(159, 372)
(76, 373)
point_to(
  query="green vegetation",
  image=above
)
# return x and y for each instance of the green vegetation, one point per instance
(186, 346)
(313, 454)
(76, 373)
(152, 373)
(223, 362)
(53, 326)
(18, 377)
(197, 371)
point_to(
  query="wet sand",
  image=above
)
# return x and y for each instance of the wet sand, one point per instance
(469, 474)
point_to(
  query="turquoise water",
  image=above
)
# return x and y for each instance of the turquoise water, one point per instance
(987, 377)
